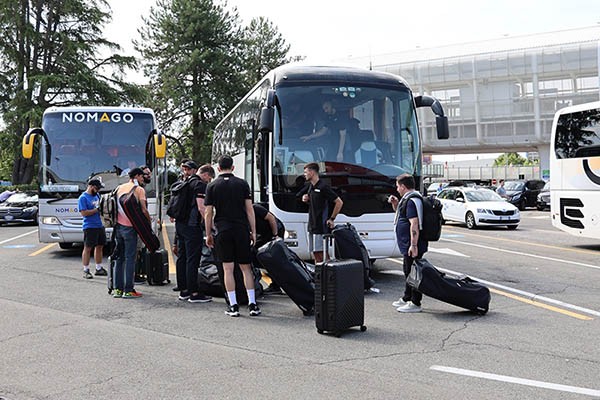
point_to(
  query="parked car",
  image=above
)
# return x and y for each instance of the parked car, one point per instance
(433, 189)
(477, 206)
(523, 194)
(543, 198)
(19, 207)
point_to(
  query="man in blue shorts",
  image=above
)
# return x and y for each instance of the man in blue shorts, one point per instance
(94, 236)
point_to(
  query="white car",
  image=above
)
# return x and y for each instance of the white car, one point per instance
(477, 206)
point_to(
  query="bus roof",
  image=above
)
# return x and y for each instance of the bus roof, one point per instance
(296, 73)
(142, 110)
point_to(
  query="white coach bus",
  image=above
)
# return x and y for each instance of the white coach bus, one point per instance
(78, 143)
(575, 170)
(271, 134)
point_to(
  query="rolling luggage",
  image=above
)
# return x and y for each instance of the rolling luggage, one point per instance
(290, 273)
(339, 295)
(462, 292)
(133, 211)
(155, 267)
(348, 244)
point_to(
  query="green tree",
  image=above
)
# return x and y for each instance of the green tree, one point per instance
(52, 53)
(511, 159)
(201, 62)
(191, 51)
(264, 49)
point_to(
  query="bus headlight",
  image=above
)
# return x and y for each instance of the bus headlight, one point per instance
(290, 235)
(50, 221)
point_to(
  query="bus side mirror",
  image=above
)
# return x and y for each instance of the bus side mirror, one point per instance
(267, 116)
(29, 140)
(160, 145)
(441, 121)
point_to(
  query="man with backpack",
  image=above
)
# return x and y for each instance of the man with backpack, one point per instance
(408, 222)
(186, 207)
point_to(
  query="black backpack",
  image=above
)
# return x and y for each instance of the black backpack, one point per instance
(432, 216)
(180, 201)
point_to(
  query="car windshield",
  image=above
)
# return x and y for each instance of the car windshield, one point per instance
(483, 195)
(514, 186)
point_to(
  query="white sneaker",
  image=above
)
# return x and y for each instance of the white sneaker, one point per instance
(399, 303)
(409, 308)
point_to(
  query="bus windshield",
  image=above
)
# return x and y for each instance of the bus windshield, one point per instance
(93, 143)
(362, 137)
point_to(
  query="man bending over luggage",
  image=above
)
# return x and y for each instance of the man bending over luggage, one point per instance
(320, 217)
(268, 227)
(408, 220)
(229, 201)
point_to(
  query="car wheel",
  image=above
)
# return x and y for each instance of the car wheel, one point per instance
(470, 220)
(522, 204)
(512, 227)
(540, 208)
(66, 245)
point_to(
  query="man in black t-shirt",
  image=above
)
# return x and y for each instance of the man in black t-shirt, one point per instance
(321, 218)
(189, 236)
(229, 201)
(268, 227)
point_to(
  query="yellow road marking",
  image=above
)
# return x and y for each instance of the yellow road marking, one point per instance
(522, 242)
(43, 249)
(542, 305)
(168, 248)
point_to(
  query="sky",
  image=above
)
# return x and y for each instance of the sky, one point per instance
(336, 30)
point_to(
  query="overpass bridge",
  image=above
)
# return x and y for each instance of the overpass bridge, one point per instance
(500, 95)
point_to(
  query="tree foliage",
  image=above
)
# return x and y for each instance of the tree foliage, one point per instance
(52, 53)
(511, 159)
(201, 62)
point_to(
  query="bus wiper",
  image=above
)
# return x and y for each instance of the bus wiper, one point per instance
(60, 197)
(115, 171)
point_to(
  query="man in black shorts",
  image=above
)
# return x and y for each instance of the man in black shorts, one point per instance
(229, 201)
(94, 236)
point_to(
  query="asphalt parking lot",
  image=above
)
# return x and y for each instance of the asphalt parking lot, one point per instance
(64, 338)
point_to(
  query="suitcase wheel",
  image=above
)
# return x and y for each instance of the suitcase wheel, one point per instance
(363, 328)
(320, 331)
(337, 334)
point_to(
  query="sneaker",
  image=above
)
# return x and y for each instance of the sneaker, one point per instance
(409, 308)
(87, 275)
(132, 295)
(233, 311)
(118, 294)
(199, 298)
(272, 289)
(253, 310)
(183, 296)
(176, 289)
(101, 272)
(138, 280)
(399, 303)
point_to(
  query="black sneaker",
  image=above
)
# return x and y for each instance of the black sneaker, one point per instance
(199, 298)
(100, 272)
(272, 289)
(183, 296)
(87, 275)
(233, 311)
(139, 280)
(253, 310)
(175, 289)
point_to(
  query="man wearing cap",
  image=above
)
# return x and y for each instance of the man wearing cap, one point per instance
(190, 236)
(94, 236)
(126, 236)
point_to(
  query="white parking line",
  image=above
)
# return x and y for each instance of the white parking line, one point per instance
(519, 381)
(17, 237)
(524, 254)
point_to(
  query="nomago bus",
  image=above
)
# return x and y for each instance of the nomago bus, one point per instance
(575, 170)
(266, 136)
(78, 143)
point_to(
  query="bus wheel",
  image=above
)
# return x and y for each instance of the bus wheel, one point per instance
(470, 220)
(65, 245)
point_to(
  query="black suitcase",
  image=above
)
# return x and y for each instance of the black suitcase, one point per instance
(462, 292)
(290, 273)
(157, 271)
(339, 295)
(348, 244)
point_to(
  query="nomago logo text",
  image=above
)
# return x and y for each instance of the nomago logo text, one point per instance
(97, 117)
